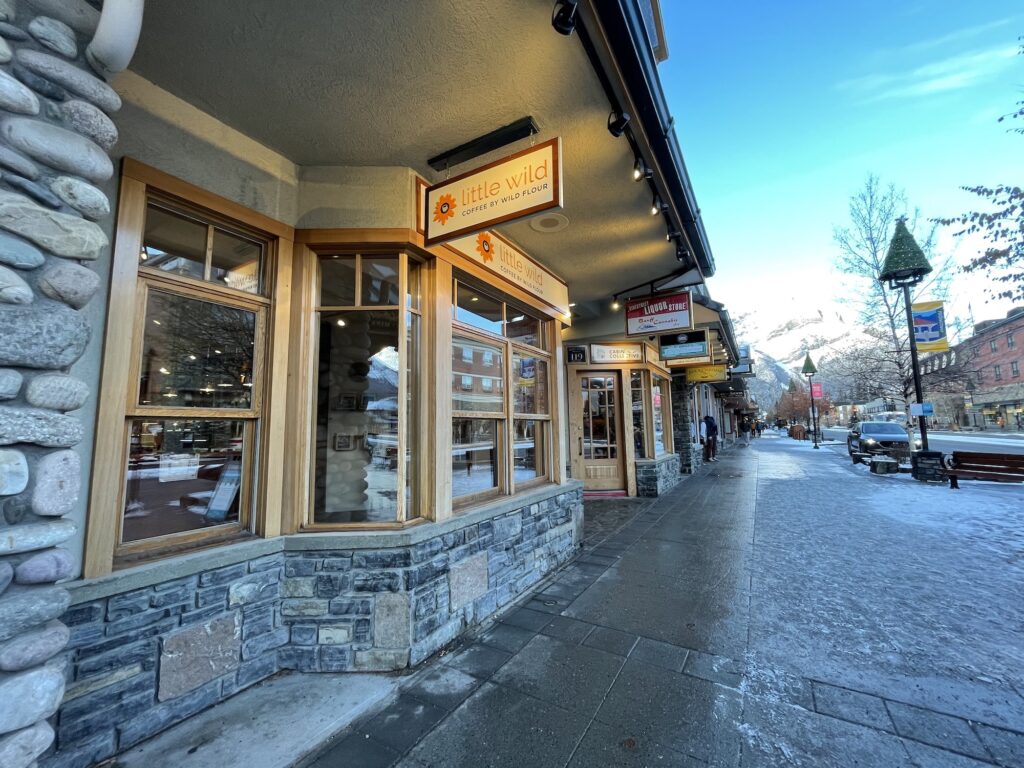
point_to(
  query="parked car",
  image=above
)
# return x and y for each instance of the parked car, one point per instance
(878, 438)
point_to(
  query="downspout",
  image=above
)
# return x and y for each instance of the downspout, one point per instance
(116, 37)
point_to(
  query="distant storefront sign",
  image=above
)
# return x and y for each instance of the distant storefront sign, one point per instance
(817, 390)
(930, 326)
(618, 353)
(659, 314)
(707, 373)
(516, 186)
(691, 346)
(500, 256)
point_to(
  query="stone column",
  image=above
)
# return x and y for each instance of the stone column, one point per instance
(54, 136)
(689, 453)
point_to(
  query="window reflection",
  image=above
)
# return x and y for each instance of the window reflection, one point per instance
(477, 309)
(196, 353)
(477, 385)
(236, 262)
(528, 450)
(182, 475)
(356, 478)
(474, 456)
(173, 243)
(530, 384)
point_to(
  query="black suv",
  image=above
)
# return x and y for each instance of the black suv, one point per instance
(879, 438)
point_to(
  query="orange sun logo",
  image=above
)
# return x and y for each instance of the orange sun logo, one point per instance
(484, 246)
(444, 208)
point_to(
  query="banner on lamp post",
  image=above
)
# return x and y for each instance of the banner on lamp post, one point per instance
(817, 391)
(930, 326)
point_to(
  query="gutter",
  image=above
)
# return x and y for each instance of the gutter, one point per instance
(620, 24)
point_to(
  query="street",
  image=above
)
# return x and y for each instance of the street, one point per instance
(947, 442)
(780, 608)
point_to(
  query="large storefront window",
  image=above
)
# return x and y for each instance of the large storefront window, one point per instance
(365, 436)
(659, 404)
(501, 395)
(636, 392)
(193, 417)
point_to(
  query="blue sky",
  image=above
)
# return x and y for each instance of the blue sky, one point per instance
(782, 109)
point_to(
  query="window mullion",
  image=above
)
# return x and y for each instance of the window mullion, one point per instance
(208, 262)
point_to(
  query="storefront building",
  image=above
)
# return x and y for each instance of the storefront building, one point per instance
(257, 414)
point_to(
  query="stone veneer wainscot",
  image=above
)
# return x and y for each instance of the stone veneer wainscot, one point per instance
(154, 645)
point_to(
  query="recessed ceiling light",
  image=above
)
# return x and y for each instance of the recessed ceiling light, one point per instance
(549, 222)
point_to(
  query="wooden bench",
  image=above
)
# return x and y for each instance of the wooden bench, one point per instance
(998, 467)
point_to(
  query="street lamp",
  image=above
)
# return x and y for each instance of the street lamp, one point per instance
(905, 265)
(809, 370)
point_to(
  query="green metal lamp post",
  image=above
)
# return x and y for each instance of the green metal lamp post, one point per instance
(905, 265)
(809, 370)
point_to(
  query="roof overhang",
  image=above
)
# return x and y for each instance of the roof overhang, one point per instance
(309, 82)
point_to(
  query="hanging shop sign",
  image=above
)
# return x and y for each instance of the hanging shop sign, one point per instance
(691, 346)
(514, 187)
(576, 355)
(498, 255)
(704, 374)
(619, 353)
(659, 314)
(817, 390)
(930, 326)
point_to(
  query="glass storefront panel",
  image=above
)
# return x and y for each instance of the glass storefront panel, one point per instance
(196, 354)
(524, 328)
(477, 309)
(173, 243)
(338, 281)
(236, 262)
(529, 450)
(357, 418)
(477, 376)
(529, 384)
(474, 456)
(379, 280)
(659, 400)
(182, 475)
(636, 391)
(412, 423)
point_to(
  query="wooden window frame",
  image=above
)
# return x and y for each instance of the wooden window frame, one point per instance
(507, 486)
(118, 395)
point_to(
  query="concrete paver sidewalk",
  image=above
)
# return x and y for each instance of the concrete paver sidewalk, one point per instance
(779, 608)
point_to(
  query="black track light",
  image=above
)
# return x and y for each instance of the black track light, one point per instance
(673, 234)
(641, 171)
(617, 122)
(682, 254)
(563, 17)
(657, 206)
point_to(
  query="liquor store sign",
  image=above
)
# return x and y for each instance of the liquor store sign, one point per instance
(514, 187)
(659, 314)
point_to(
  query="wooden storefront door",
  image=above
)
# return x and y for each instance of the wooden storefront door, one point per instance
(596, 420)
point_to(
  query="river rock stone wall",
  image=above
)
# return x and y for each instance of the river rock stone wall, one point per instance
(142, 660)
(55, 131)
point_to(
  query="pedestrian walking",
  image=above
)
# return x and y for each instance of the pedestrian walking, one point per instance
(745, 431)
(709, 438)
